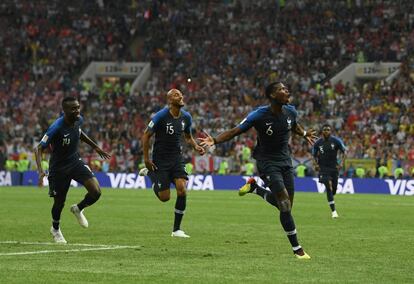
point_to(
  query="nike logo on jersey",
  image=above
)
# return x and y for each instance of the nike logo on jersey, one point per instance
(168, 123)
(66, 135)
(269, 123)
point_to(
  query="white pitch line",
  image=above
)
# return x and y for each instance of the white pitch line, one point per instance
(53, 244)
(91, 247)
(66, 250)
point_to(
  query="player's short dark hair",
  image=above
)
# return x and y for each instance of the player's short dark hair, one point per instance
(326, 125)
(270, 88)
(68, 99)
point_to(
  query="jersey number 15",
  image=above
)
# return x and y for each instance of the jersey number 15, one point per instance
(170, 129)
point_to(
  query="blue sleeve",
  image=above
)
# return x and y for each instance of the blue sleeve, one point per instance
(341, 144)
(248, 122)
(315, 148)
(153, 124)
(189, 122)
(51, 131)
(293, 111)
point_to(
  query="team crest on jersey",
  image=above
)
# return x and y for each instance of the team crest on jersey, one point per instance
(332, 146)
(289, 122)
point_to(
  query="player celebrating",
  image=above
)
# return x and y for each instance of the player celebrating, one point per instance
(65, 164)
(167, 165)
(325, 153)
(273, 124)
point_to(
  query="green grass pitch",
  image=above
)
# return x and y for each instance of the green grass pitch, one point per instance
(233, 239)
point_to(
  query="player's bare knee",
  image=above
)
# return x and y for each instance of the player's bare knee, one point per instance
(164, 196)
(164, 199)
(181, 191)
(180, 186)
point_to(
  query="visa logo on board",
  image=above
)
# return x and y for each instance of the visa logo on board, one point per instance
(400, 186)
(344, 186)
(5, 178)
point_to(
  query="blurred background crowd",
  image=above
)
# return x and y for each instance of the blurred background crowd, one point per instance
(220, 54)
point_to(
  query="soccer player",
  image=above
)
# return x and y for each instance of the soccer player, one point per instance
(325, 154)
(273, 124)
(62, 138)
(167, 165)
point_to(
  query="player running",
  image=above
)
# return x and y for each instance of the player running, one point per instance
(325, 154)
(167, 165)
(62, 137)
(273, 124)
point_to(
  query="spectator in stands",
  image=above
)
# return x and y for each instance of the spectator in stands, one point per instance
(301, 170)
(43, 58)
(383, 171)
(189, 168)
(223, 167)
(2, 159)
(11, 164)
(360, 172)
(350, 172)
(399, 173)
(248, 168)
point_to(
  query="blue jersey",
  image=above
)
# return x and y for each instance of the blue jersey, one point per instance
(168, 131)
(325, 152)
(273, 131)
(64, 141)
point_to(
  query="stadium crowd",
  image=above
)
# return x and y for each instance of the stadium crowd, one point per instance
(221, 54)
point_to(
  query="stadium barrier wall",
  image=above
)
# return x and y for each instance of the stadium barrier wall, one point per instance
(230, 182)
(10, 178)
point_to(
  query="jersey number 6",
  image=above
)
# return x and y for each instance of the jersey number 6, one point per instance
(269, 130)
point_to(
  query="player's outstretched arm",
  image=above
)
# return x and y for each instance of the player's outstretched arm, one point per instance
(85, 138)
(315, 164)
(342, 157)
(309, 135)
(222, 137)
(315, 157)
(190, 140)
(38, 151)
(145, 149)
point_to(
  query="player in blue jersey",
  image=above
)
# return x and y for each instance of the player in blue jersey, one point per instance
(62, 139)
(167, 165)
(325, 154)
(273, 124)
